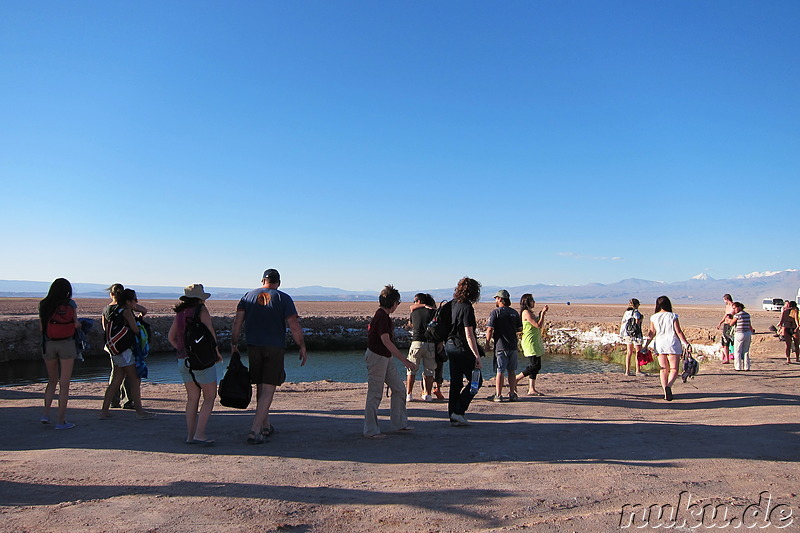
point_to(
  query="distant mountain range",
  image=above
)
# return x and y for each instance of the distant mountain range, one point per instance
(749, 289)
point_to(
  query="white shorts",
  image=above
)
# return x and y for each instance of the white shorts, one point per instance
(123, 359)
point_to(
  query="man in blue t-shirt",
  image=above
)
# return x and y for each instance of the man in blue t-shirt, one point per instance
(265, 312)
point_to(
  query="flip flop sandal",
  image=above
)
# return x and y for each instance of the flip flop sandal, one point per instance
(253, 438)
(267, 432)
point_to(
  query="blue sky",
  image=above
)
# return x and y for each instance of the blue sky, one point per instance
(353, 144)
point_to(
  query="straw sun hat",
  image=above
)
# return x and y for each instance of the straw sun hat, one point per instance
(195, 290)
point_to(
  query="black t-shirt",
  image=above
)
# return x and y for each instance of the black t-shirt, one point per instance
(506, 322)
(463, 317)
(419, 323)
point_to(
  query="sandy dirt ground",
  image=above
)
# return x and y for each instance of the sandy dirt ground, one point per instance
(567, 461)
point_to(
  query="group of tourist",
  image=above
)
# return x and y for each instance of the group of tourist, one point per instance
(264, 314)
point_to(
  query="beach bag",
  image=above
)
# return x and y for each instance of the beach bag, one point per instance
(644, 357)
(690, 368)
(632, 327)
(119, 336)
(441, 324)
(61, 324)
(235, 389)
(201, 348)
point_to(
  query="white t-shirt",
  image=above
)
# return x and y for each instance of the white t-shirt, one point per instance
(628, 314)
(666, 340)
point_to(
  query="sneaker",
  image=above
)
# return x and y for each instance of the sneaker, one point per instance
(458, 420)
(65, 425)
(512, 397)
(409, 398)
(497, 398)
(427, 398)
(129, 405)
(438, 393)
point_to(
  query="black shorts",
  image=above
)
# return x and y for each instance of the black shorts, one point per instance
(533, 368)
(266, 364)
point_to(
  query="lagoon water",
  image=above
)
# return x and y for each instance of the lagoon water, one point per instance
(342, 366)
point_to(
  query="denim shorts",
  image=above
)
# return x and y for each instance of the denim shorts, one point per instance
(207, 375)
(505, 361)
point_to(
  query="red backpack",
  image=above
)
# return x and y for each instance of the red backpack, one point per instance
(61, 324)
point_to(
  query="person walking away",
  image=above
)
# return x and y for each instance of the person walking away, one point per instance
(121, 399)
(669, 343)
(462, 350)
(264, 313)
(787, 328)
(532, 345)
(58, 317)
(632, 339)
(381, 368)
(742, 336)
(422, 352)
(124, 363)
(724, 326)
(502, 327)
(203, 381)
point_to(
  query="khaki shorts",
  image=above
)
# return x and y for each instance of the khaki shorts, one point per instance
(60, 349)
(423, 354)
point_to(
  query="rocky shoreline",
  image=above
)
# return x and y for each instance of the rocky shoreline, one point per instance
(343, 326)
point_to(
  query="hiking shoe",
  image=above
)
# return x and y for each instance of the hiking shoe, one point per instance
(409, 398)
(427, 398)
(458, 420)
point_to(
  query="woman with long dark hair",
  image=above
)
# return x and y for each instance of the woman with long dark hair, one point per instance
(204, 381)
(58, 316)
(462, 349)
(669, 343)
(532, 345)
(124, 362)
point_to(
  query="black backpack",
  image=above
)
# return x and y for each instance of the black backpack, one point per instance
(632, 327)
(235, 389)
(201, 348)
(441, 325)
(119, 336)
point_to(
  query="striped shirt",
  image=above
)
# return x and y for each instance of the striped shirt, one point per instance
(742, 322)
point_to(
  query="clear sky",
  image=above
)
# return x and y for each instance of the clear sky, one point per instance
(353, 144)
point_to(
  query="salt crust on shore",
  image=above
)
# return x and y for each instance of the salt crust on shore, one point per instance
(567, 461)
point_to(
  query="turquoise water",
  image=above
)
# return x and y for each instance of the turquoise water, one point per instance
(346, 366)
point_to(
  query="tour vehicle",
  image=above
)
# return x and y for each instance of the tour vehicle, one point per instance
(772, 304)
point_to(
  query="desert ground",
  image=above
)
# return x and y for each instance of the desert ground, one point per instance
(571, 460)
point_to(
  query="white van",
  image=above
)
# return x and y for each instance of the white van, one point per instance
(772, 304)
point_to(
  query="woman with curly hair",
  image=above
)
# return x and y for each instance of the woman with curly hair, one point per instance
(462, 349)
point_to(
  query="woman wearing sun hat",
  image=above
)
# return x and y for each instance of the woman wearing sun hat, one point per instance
(204, 381)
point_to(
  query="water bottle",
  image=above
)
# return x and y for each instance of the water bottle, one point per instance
(475, 382)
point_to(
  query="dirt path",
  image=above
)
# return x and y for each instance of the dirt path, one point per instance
(568, 461)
